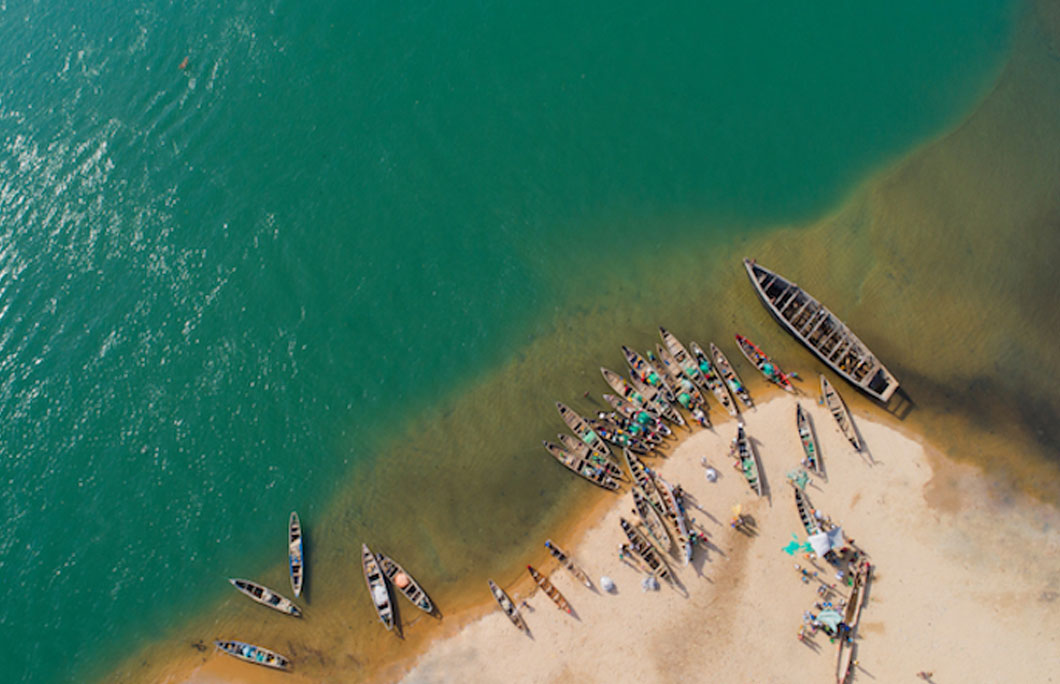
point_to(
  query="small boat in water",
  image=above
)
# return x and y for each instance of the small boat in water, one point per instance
(763, 363)
(581, 430)
(714, 381)
(624, 389)
(732, 380)
(507, 607)
(657, 401)
(294, 554)
(687, 392)
(255, 654)
(682, 358)
(637, 416)
(617, 436)
(644, 549)
(744, 453)
(377, 589)
(645, 372)
(802, 505)
(809, 442)
(266, 596)
(652, 520)
(607, 460)
(592, 471)
(839, 411)
(405, 583)
(567, 562)
(821, 332)
(551, 591)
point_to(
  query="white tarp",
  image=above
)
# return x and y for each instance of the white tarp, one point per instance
(823, 542)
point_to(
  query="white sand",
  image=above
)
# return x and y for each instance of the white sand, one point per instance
(964, 588)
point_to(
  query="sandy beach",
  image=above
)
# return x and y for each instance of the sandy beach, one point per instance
(963, 587)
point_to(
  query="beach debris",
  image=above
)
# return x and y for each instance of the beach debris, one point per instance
(712, 475)
(795, 546)
(607, 584)
(649, 583)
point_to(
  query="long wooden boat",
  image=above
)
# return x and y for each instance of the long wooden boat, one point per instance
(845, 658)
(377, 589)
(405, 583)
(669, 372)
(732, 380)
(840, 412)
(618, 436)
(765, 365)
(657, 401)
(607, 461)
(581, 430)
(652, 520)
(567, 562)
(802, 505)
(254, 654)
(593, 472)
(645, 372)
(682, 384)
(714, 381)
(650, 436)
(643, 548)
(550, 591)
(745, 454)
(295, 564)
(676, 517)
(822, 332)
(624, 389)
(809, 441)
(639, 416)
(266, 596)
(682, 358)
(643, 479)
(506, 605)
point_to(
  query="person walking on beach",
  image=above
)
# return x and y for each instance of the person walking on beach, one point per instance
(926, 676)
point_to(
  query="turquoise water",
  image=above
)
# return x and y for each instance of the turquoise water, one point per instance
(222, 285)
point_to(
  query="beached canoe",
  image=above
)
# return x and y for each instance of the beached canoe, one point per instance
(618, 436)
(295, 565)
(744, 453)
(652, 520)
(608, 461)
(852, 616)
(645, 372)
(650, 436)
(685, 361)
(645, 420)
(839, 411)
(714, 381)
(765, 365)
(551, 591)
(507, 607)
(567, 562)
(676, 517)
(809, 442)
(255, 654)
(643, 479)
(581, 430)
(643, 548)
(405, 583)
(687, 392)
(592, 471)
(821, 332)
(377, 588)
(732, 380)
(657, 401)
(266, 596)
(802, 505)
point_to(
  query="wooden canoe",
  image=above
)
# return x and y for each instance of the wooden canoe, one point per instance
(581, 430)
(550, 591)
(652, 520)
(255, 654)
(649, 436)
(567, 562)
(714, 381)
(744, 453)
(593, 472)
(732, 380)
(802, 505)
(405, 583)
(506, 606)
(676, 517)
(692, 398)
(839, 411)
(636, 415)
(809, 441)
(377, 588)
(643, 479)
(266, 596)
(624, 389)
(617, 436)
(647, 373)
(765, 365)
(821, 332)
(643, 548)
(607, 461)
(682, 358)
(845, 657)
(295, 565)
(657, 401)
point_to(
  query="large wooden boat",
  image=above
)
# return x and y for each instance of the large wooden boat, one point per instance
(732, 380)
(547, 587)
(765, 365)
(644, 419)
(266, 596)
(294, 554)
(713, 380)
(591, 471)
(506, 605)
(255, 654)
(645, 372)
(607, 461)
(567, 562)
(676, 517)
(643, 479)
(845, 657)
(744, 453)
(802, 505)
(405, 583)
(618, 436)
(809, 442)
(652, 520)
(377, 589)
(644, 549)
(581, 430)
(658, 402)
(822, 332)
(839, 411)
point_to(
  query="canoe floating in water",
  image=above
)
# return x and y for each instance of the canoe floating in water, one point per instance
(506, 605)
(295, 563)
(809, 442)
(377, 589)
(255, 654)
(582, 430)
(266, 596)
(765, 365)
(592, 471)
(732, 380)
(840, 412)
(713, 380)
(581, 449)
(405, 583)
(822, 332)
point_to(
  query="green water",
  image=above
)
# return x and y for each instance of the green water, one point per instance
(223, 287)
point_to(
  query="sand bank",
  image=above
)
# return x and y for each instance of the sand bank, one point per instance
(962, 588)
